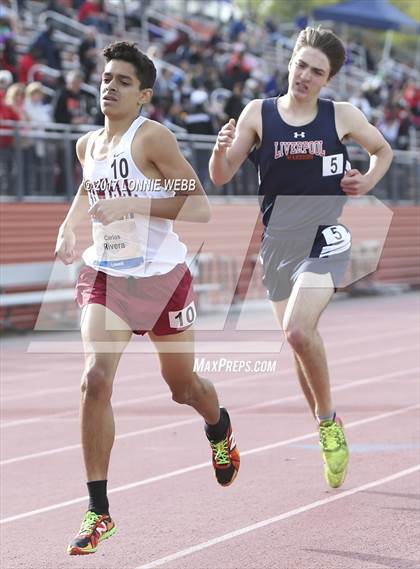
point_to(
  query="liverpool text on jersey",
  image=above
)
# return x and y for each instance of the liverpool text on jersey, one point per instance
(312, 147)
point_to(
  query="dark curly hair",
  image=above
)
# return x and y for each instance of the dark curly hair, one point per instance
(145, 69)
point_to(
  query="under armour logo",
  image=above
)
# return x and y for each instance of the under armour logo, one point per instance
(299, 134)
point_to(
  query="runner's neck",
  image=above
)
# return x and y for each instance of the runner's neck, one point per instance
(116, 128)
(294, 107)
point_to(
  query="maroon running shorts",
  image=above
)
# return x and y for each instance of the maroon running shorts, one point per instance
(163, 304)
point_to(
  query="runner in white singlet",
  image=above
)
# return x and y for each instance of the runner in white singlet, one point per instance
(135, 278)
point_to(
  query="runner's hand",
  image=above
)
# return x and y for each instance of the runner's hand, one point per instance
(225, 136)
(107, 211)
(354, 183)
(64, 248)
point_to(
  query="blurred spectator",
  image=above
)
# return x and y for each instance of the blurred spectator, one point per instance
(35, 108)
(15, 98)
(7, 166)
(237, 69)
(367, 43)
(389, 125)
(275, 85)
(8, 55)
(212, 80)
(403, 138)
(164, 84)
(175, 116)
(183, 90)
(270, 27)
(47, 47)
(412, 98)
(362, 102)
(38, 113)
(372, 91)
(27, 61)
(72, 105)
(135, 14)
(61, 7)
(252, 89)
(88, 54)
(8, 28)
(195, 53)
(93, 13)
(172, 39)
(8, 16)
(236, 27)
(21, 6)
(235, 104)
(6, 79)
(199, 121)
(154, 111)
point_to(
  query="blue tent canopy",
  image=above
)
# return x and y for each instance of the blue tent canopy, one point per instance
(379, 14)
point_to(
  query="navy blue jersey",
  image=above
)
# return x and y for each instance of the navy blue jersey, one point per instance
(301, 167)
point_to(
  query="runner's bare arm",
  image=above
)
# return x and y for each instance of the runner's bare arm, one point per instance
(160, 149)
(66, 238)
(352, 123)
(234, 143)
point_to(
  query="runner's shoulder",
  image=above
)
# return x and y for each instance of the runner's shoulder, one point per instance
(348, 118)
(153, 133)
(81, 145)
(251, 115)
(346, 111)
(253, 108)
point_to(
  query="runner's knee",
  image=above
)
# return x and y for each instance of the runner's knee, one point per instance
(184, 393)
(96, 383)
(298, 337)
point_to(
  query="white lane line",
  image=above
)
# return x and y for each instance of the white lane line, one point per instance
(75, 386)
(201, 465)
(125, 379)
(122, 403)
(78, 446)
(342, 387)
(381, 336)
(279, 518)
(350, 359)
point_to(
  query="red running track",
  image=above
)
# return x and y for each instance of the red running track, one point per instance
(170, 512)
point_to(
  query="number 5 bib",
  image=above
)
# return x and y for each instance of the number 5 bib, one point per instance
(330, 240)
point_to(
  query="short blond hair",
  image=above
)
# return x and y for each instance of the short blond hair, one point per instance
(12, 91)
(33, 88)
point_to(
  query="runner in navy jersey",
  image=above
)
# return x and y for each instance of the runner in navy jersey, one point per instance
(296, 143)
(135, 279)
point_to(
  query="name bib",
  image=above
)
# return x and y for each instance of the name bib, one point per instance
(119, 245)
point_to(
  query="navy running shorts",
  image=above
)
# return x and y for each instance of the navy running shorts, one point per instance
(287, 254)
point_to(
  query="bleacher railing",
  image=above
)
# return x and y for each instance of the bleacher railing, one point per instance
(38, 163)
